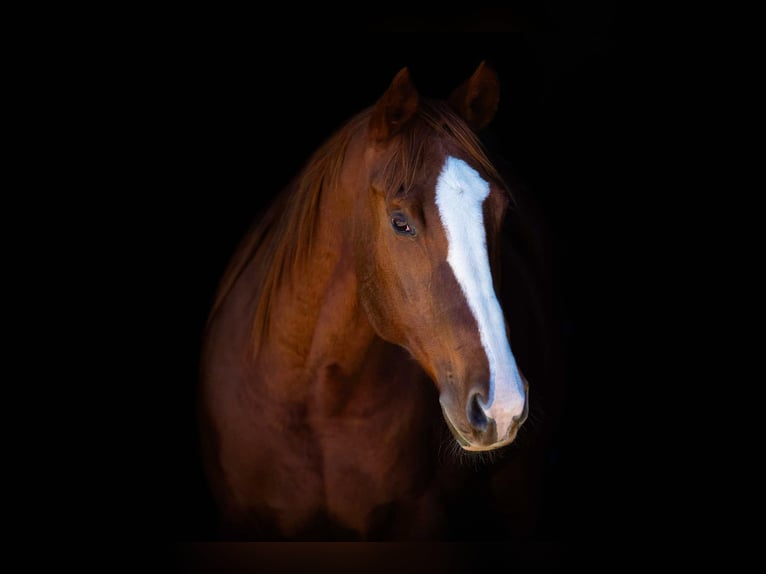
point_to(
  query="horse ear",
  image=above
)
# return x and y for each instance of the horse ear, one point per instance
(477, 98)
(394, 108)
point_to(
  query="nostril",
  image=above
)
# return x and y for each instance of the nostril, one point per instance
(476, 415)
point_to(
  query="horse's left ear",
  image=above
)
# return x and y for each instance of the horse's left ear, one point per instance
(477, 98)
(395, 107)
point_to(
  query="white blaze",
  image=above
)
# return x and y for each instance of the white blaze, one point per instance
(460, 193)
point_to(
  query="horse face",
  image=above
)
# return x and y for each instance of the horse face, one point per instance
(427, 285)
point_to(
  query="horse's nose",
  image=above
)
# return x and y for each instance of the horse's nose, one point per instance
(484, 424)
(477, 416)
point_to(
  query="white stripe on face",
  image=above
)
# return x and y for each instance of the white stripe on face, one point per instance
(460, 193)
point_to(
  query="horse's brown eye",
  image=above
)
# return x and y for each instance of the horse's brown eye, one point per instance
(401, 226)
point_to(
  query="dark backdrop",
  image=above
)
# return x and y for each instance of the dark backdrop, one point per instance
(214, 120)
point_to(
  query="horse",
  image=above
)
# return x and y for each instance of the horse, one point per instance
(357, 380)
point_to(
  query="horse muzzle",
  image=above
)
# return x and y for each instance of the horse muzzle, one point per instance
(475, 429)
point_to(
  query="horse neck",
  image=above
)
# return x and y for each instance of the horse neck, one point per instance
(316, 321)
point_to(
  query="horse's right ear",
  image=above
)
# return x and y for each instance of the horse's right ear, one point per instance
(477, 98)
(394, 108)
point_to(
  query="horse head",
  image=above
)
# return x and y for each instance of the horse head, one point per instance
(425, 246)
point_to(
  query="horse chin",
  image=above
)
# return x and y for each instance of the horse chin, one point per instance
(484, 448)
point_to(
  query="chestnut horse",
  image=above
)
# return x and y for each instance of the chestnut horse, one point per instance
(357, 322)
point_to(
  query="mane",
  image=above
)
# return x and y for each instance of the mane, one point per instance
(284, 233)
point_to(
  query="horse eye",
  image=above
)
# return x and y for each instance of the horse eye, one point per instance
(400, 225)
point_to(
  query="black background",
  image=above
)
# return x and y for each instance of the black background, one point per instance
(228, 123)
(211, 118)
